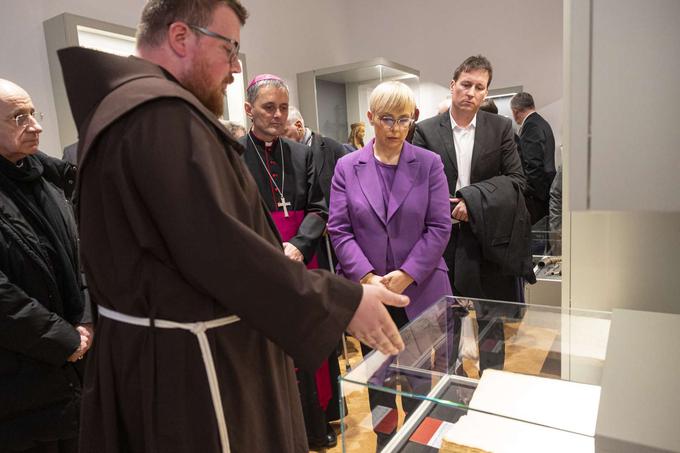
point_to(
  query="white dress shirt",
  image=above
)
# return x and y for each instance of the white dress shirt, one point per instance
(464, 141)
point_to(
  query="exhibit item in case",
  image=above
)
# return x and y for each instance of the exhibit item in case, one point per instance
(482, 376)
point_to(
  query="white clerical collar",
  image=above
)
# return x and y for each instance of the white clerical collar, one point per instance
(454, 125)
(267, 144)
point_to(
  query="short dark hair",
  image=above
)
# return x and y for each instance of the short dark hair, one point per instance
(474, 63)
(488, 105)
(158, 14)
(522, 101)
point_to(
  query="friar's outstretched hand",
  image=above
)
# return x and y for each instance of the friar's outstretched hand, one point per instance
(372, 324)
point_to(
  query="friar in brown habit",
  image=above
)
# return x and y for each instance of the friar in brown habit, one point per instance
(200, 311)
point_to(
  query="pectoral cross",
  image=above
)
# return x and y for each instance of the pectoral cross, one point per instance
(284, 204)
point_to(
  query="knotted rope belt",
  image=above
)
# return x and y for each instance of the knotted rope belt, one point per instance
(198, 329)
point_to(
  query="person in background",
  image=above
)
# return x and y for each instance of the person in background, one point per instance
(444, 105)
(537, 151)
(412, 127)
(488, 105)
(235, 129)
(45, 328)
(355, 140)
(325, 151)
(555, 214)
(71, 153)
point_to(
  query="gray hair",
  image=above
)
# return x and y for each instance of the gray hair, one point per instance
(295, 115)
(254, 89)
(234, 128)
(522, 101)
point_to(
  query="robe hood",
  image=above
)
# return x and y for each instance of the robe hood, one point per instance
(90, 75)
(102, 87)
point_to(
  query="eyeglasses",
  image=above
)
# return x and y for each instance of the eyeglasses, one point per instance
(390, 122)
(232, 54)
(24, 120)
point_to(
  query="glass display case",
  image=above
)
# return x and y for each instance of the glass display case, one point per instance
(545, 239)
(548, 267)
(482, 376)
(546, 249)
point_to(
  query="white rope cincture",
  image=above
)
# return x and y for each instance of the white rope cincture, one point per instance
(199, 329)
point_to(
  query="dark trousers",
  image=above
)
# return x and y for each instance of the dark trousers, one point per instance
(488, 317)
(537, 208)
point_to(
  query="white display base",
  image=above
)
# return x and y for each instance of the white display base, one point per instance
(531, 414)
(564, 405)
(504, 435)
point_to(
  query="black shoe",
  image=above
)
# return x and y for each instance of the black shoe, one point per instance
(330, 440)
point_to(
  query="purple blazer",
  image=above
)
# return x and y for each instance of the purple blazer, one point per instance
(417, 221)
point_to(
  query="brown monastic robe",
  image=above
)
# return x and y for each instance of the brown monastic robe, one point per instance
(173, 227)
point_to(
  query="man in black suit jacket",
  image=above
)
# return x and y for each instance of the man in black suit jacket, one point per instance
(537, 151)
(474, 146)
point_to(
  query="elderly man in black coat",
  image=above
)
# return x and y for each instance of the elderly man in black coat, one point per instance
(42, 318)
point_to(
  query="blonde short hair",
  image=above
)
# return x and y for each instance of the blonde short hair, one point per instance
(390, 97)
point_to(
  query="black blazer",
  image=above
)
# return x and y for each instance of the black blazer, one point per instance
(537, 151)
(494, 152)
(325, 153)
(499, 221)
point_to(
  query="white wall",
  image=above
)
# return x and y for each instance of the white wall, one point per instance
(625, 260)
(290, 36)
(521, 38)
(622, 225)
(24, 55)
(634, 158)
(332, 109)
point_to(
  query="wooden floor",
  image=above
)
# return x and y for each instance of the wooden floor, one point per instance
(357, 405)
(526, 351)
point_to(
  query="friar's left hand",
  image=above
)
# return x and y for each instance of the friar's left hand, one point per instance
(397, 281)
(292, 252)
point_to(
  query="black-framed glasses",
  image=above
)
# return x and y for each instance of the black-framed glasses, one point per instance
(389, 122)
(232, 54)
(24, 120)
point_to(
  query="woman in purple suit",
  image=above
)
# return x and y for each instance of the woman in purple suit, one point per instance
(389, 217)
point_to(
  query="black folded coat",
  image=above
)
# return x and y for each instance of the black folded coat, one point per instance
(497, 241)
